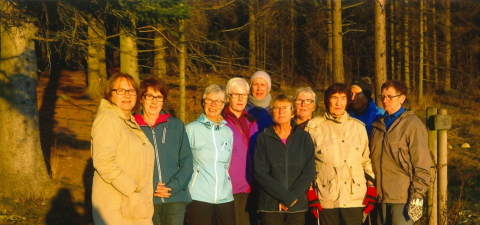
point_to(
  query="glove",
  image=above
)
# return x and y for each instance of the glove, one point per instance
(415, 208)
(370, 199)
(313, 203)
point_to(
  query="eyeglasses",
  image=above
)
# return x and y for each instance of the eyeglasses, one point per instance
(277, 109)
(209, 101)
(389, 98)
(307, 101)
(239, 96)
(151, 97)
(121, 91)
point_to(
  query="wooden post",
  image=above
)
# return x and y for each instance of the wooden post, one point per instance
(432, 146)
(443, 122)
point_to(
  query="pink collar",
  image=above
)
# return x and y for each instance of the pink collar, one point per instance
(161, 118)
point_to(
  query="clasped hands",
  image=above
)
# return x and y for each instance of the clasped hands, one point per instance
(281, 207)
(162, 191)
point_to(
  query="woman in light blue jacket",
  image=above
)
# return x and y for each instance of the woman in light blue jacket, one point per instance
(211, 143)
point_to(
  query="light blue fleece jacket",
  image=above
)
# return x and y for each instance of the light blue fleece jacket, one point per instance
(211, 145)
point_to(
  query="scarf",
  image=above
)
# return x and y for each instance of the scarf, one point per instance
(264, 103)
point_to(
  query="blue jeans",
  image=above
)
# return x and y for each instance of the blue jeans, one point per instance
(169, 213)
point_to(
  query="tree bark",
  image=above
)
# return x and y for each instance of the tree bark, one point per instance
(435, 70)
(181, 65)
(338, 73)
(330, 44)
(159, 64)
(97, 67)
(420, 69)
(380, 48)
(129, 53)
(398, 41)
(448, 50)
(23, 169)
(392, 40)
(427, 50)
(251, 38)
(406, 47)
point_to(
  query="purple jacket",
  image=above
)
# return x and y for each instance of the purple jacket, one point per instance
(241, 166)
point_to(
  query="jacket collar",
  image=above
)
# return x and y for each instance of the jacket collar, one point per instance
(380, 123)
(163, 117)
(209, 124)
(342, 119)
(228, 113)
(271, 132)
(106, 105)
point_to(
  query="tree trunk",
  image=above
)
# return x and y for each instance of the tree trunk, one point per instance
(181, 65)
(406, 47)
(392, 41)
(425, 45)
(330, 44)
(129, 53)
(159, 64)
(251, 38)
(448, 50)
(380, 48)
(420, 69)
(435, 69)
(23, 169)
(97, 68)
(338, 73)
(398, 41)
(292, 42)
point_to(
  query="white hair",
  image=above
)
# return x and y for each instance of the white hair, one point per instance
(215, 88)
(237, 82)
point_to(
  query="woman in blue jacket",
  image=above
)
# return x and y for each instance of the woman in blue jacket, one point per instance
(173, 158)
(211, 143)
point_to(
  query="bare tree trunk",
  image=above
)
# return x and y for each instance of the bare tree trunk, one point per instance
(330, 44)
(398, 41)
(97, 67)
(159, 64)
(129, 53)
(420, 69)
(448, 50)
(338, 73)
(23, 169)
(427, 52)
(181, 62)
(252, 36)
(435, 70)
(392, 40)
(380, 48)
(406, 47)
(292, 42)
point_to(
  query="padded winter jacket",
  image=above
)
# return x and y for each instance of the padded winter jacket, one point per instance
(371, 114)
(123, 160)
(211, 145)
(261, 114)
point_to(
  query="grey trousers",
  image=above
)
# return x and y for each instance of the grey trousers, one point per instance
(391, 214)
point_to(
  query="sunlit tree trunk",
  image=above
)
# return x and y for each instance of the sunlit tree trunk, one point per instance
(406, 47)
(181, 65)
(338, 73)
(380, 48)
(129, 53)
(435, 64)
(420, 69)
(330, 44)
(398, 41)
(392, 40)
(427, 52)
(23, 170)
(252, 36)
(448, 50)
(159, 64)
(97, 67)
(292, 41)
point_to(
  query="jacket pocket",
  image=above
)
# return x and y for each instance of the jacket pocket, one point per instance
(135, 206)
(327, 184)
(195, 177)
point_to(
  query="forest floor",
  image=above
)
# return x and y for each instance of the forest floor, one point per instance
(65, 122)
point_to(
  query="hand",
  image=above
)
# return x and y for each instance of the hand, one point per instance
(294, 203)
(313, 203)
(370, 199)
(281, 207)
(415, 208)
(162, 191)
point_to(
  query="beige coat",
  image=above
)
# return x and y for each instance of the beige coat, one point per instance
(342, 160)
(123, 159)
(401, 159)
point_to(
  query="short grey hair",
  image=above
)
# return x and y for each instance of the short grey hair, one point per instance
(215, 88)
(235, 82)
(307, 90)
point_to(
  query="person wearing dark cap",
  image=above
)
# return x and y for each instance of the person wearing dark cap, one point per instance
(363, 107)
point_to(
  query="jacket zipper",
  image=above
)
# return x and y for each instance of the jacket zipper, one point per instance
(158, 158)
(215, 165)
(195, 178)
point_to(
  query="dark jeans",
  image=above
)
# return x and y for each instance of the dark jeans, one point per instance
(281, 218)
(202, 213)
(169, 213)
(241, 214)
(391, 214)
(344, 216)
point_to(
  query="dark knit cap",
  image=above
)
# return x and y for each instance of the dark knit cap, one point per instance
(365, 86)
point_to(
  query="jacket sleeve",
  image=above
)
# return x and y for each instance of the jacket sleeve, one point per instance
(105, 140)
(179, 180)
(263, 177)
(366, 161)
(421, 160)
(300, 186)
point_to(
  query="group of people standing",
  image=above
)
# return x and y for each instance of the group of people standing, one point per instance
(250, 158)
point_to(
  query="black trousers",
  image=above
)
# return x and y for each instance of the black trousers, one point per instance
(202, 213)
(278, 218)
(344, 216)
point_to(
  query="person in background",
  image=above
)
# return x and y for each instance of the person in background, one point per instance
(401, 159)
(363, 107)
(259, 99)
(245, 129)
(173, 166)
(284, 166)
(345, 180)
(306, 104)
(123, 157)
(211, 142)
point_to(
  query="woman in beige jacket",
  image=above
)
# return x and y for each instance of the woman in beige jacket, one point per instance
(342, 161)
(123, 159)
